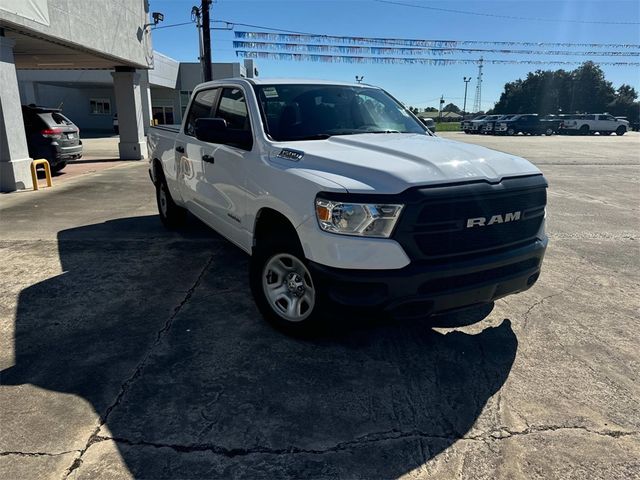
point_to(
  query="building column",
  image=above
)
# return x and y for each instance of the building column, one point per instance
(147, 115)
(29, 93)
(15, 163)
(126, 84)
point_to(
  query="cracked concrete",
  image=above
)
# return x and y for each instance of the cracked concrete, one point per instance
(138, 370)
(127, 351)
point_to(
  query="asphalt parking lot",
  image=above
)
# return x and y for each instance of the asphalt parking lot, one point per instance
(129, 351)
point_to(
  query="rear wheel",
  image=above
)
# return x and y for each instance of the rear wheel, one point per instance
(548, 132)
(171, 215)
(621, 130)
(58, 167)
(283, 287)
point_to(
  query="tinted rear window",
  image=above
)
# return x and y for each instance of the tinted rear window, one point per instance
(54, 119)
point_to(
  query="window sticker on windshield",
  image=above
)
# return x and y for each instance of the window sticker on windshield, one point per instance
(270, 92)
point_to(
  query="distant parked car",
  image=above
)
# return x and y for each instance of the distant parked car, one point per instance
(51, 135)
(429, 123)
(116, 124)
(488, 124)
(603, 123)
(527, 124)
(479, 125)
(475, 124)
(466, 123)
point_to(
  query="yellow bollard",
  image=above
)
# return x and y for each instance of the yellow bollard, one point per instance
(34, 175)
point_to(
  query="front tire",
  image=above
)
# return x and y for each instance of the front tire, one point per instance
(511, 132)
(584, 130)
(283, 287)
(621, 130)
(171, 215)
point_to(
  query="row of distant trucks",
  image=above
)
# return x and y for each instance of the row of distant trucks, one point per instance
(533, 124)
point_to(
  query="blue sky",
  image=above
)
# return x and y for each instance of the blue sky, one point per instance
(416, 85)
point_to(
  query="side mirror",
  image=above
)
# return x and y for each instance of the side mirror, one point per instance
(216, 130)
(211, 130)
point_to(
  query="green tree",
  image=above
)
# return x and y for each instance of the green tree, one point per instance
(451, 107)
(584, 89)
(430, 109)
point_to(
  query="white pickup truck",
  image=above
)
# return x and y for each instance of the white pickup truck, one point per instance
(344, 199)
(603, 123)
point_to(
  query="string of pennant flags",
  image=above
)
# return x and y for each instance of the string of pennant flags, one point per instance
(311, 57)
(349, 40)
(358, 49)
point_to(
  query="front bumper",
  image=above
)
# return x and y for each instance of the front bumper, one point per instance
(420, 289)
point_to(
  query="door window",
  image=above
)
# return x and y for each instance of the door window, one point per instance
(201, 107)
(233, 109)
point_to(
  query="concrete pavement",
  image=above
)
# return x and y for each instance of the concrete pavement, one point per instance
(130, 351)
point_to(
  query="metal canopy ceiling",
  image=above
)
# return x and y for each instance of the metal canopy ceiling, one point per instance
(37, 53)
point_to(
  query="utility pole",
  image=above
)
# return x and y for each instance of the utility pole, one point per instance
(477, 102)
(196, 15)
(441, 103)
(464, 106)
(206, 39)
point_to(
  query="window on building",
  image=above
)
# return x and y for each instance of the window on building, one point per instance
(185, 95)
(100, 106)
(163, 115)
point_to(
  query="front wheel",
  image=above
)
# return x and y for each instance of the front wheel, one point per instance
(283, 287)
(511, 131)
(621, 130)
(548, 132)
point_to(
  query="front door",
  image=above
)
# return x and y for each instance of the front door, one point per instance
(224, 170)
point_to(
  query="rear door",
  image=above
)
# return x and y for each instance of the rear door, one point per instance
(189, 152)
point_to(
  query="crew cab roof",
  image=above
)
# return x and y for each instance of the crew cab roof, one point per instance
(287, 81)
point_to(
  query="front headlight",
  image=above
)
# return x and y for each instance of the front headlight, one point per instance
(363, 219)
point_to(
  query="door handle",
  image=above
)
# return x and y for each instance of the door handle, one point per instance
(180, 149)
(208, 159)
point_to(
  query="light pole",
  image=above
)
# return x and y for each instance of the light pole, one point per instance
(464, 106)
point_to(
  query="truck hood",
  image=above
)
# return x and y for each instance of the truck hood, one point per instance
(391, 163)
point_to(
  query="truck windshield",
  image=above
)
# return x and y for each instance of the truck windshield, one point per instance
(315, 112)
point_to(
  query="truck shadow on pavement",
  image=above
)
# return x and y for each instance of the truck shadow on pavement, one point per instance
(158, 331)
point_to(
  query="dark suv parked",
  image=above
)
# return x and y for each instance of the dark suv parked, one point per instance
(528, 123)
(51, 135)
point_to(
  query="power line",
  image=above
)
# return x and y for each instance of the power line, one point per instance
(509, 17)
(173, 25)
(273, 29)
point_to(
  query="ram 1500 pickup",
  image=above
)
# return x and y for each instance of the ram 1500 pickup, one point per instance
(343, 198)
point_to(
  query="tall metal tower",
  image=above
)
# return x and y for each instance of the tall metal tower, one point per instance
(477, 102)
